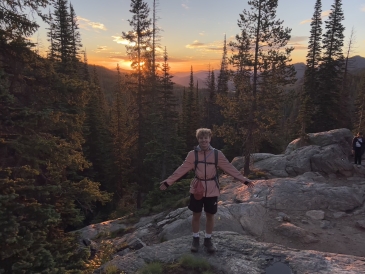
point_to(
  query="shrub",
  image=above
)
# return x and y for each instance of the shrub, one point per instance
(190, 262)
(152, 268)
(112, 269)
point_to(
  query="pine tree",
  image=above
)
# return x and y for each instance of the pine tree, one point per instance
(42, 161)
(166, 146)
(61, 35)
(311, 82)
(98, 141)
(235, 107)
(184, 116)
(51, 54)
(85, 69)
(15, 23)
(331, 72)
(223, 76)
(140, 41)
(44, 191)
(122, 129)
(155, 37)
(268, 70)
(346, 94)
(75, 42)
(359, 122)
(190, 119)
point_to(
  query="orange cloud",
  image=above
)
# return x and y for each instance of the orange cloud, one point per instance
(100, 49)
(86, 23)
(296, 39)
(215, 46)
(297, 42)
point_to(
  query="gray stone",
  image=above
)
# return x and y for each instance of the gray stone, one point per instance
(123, 252)
(247, 211)
(332, 159)
(341, 136)
(238, 162)
(94, 230)
(275, 164)
(315, 214)
(279, 219)
(299, 161)
(136, 244)
(292, 231)
(86, 242)
(361, 224)
(284, 217)
(332, 176)
(250, 216)
(325, 152)
(337, 215)
(325, 224)
(239, 254)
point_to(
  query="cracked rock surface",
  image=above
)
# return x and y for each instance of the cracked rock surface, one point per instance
(309, 214)
(239, 254)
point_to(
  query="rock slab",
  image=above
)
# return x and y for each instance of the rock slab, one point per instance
(239, 254)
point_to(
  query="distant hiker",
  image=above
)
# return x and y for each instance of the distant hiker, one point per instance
(357, 148)
(204, 188)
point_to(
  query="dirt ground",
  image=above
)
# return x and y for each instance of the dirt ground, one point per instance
(340, 235)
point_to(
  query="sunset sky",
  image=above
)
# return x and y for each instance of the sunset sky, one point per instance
(193, 30)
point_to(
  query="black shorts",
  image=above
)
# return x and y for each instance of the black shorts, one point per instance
(210, 204)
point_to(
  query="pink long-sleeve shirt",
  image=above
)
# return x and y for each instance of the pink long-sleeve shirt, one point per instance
(205, 171)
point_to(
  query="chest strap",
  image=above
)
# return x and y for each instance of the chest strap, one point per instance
(211, 179)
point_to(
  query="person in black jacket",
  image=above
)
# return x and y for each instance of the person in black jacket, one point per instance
(357, 148)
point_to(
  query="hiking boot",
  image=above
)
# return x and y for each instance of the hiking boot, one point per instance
(209, 245)
(195, 244)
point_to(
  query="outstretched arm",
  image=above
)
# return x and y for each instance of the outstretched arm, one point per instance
(227, 167)
(186, 166)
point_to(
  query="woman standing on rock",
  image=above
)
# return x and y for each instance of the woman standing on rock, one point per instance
(204, 188)
(357, 148)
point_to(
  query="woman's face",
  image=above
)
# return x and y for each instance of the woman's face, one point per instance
(204, 142)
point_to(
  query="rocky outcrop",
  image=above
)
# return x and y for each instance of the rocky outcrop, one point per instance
(304, 205)
(326, 152)
(239, 254)
(244, 215)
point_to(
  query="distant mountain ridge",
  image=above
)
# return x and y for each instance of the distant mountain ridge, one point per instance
(108, 76)
(183, 78)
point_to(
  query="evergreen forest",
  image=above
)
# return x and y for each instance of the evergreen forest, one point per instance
(75, 152)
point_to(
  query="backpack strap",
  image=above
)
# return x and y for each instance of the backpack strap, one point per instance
(216, 177)
(216, 159)
(216, 167)
(196, 159)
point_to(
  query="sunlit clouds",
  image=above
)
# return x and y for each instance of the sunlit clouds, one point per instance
(297, 39)
(100, 49)
(297, 42)
(215, 46)
(192, 32)
(323, 15)
(121, 40)
(86, 24)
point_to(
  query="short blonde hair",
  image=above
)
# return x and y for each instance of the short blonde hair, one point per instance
(200, 132)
